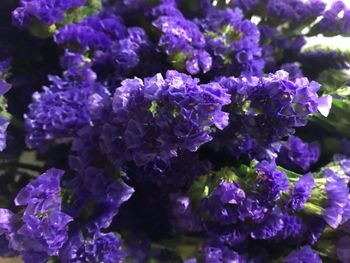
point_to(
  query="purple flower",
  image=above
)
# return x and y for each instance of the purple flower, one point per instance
(265, 110)
(270, 227)
(292, 229)
(338, 199)
(298, 155)
(181, 39)
(154, 119)
(295, 10)
(43, 227)
(270, 182)
(301, 192)
(223, 204)
(101, 247)
(104, 248)
(112, 46)
(93, 185)
(245, 5)
(46, 11)
(303, 255)
(68, 104)
(233, 42)
(330, 23)
(293, 70)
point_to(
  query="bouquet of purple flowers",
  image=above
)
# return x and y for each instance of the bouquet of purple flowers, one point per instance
(174, 131)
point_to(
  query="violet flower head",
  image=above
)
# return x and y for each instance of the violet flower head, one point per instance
(265, 110)
(293, 69)
(46, 11)
(270, 182)
(305, 254)
(154, 119)
(93, 185)
(66, 105)
(113, 46)
(338, 199)
(104, 248)
(224, 203)
(330, 23)
(301, 192)
(295, 10)
(182, 40)
(43, 227)
(270, 227)
(297, 155)
(233, 42)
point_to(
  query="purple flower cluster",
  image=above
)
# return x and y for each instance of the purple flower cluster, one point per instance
(177, 129)
(67, 104)
(49, 12)
(233, 42)
(181, 39)
(295, 10)
(42, 228)
(264, 110)
(298, 155)
(113, 46)
(242, 209)
(331, 23)
(154, 119)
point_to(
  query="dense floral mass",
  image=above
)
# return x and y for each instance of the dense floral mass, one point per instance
(174, 131)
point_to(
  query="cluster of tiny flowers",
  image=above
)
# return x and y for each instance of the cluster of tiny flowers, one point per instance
(42, 227)
(184, 131)
(181, 39)
(233, 42)
(48, 12)
(154, 119)
(267, 205)
(113, 46)
(66, 105)
(296, 154)
(264, 110)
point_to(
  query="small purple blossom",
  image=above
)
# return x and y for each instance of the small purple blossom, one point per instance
(182, 39)
(338, 199)
(296, 154)
(46, 11)
(233, 42)
(301, 192)
(270, 182)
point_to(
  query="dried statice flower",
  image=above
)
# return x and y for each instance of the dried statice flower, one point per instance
(154, 119)
(42, 229)
(233, 42)
(65, 106)
(298, 155)
(264, 110)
